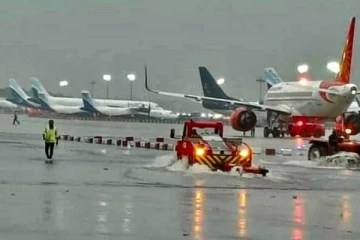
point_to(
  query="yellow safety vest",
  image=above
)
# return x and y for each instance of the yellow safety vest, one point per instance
(50, 134)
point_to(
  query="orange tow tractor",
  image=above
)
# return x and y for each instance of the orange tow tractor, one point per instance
(202, 142)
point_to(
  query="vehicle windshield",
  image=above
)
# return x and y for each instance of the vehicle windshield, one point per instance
(215, 142)
(206, 131)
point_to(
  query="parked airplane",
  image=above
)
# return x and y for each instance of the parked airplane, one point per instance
(156, 112)
(212, 89)
(7, 104)
(19, 97)
(295, 102)
(91, 105)
(48, 105)
(69, 101)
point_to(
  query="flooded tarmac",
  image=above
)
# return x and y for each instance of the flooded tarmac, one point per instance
(106, 192)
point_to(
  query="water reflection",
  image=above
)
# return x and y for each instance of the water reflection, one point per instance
(298, 219)
(102, 215)
(127, 211)
(198, 216)
(53, 208)
(242, 204)
(346, 211)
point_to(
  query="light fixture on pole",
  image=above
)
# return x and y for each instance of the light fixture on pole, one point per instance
(220, 81)
(63, 83)
(260, 81)
(107, 79)
(302, 68)
(333, 67)
(92, 83)
(131, 77)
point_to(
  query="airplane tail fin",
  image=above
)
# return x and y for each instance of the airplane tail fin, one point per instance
(36, 84)
(16, 90)
(43, 100)
(346, 58)
(272, 77)
(210, 87)
(88, 101)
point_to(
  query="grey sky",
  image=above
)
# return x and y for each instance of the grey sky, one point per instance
(80, 40)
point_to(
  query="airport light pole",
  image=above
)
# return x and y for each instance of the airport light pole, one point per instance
(260, 81)
(92, 83)
(63, 84)
(333, 67)
(107, 79)
(220, 81)
(131, 77)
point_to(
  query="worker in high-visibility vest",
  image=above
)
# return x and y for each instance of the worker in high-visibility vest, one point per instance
(50, 137)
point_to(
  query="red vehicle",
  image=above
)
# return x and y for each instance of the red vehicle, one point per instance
(306, 129)
(202, 142)
(320, 148)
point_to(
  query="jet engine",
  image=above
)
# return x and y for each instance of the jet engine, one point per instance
(242, 119)
(352, 121)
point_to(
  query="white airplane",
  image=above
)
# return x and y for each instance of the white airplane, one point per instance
(157, 112)
(67, 101)
(296, 102)
(91, 105)
(19, 97)
(48, 105)
(7, 104)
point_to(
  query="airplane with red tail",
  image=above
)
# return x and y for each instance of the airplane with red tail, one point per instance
(296, 108)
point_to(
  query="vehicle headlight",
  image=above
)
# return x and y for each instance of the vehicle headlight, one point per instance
(244, 153)
(199, 151)
(348, 131)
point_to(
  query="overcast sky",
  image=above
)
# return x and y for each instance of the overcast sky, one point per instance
(79, 40)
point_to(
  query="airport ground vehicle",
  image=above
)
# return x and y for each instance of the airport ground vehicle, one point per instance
(321, 148)
(306, 129)
(202, 142)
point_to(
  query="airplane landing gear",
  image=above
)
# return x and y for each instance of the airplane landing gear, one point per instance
(275, 131)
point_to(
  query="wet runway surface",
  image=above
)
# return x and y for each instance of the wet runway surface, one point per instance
(107, 192)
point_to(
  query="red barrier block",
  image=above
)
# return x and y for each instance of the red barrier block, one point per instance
(159, 139)
(98, 140)
(124, 143)
(109, 141)
(157, 146)
(137, 144)
(147, 145)
(270, 151)
(129, 139)
(164, 146)
(118, 142)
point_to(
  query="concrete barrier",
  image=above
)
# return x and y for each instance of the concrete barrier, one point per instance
(98, 139)
(160, 139)
(129, 139)
(270, 151)
(160, 143)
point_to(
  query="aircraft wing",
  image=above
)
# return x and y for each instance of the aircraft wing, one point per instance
(276, 109)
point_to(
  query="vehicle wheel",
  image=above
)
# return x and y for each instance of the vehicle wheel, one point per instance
(266, 132)
(276, 133)
(282, 134)
(315, 152)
